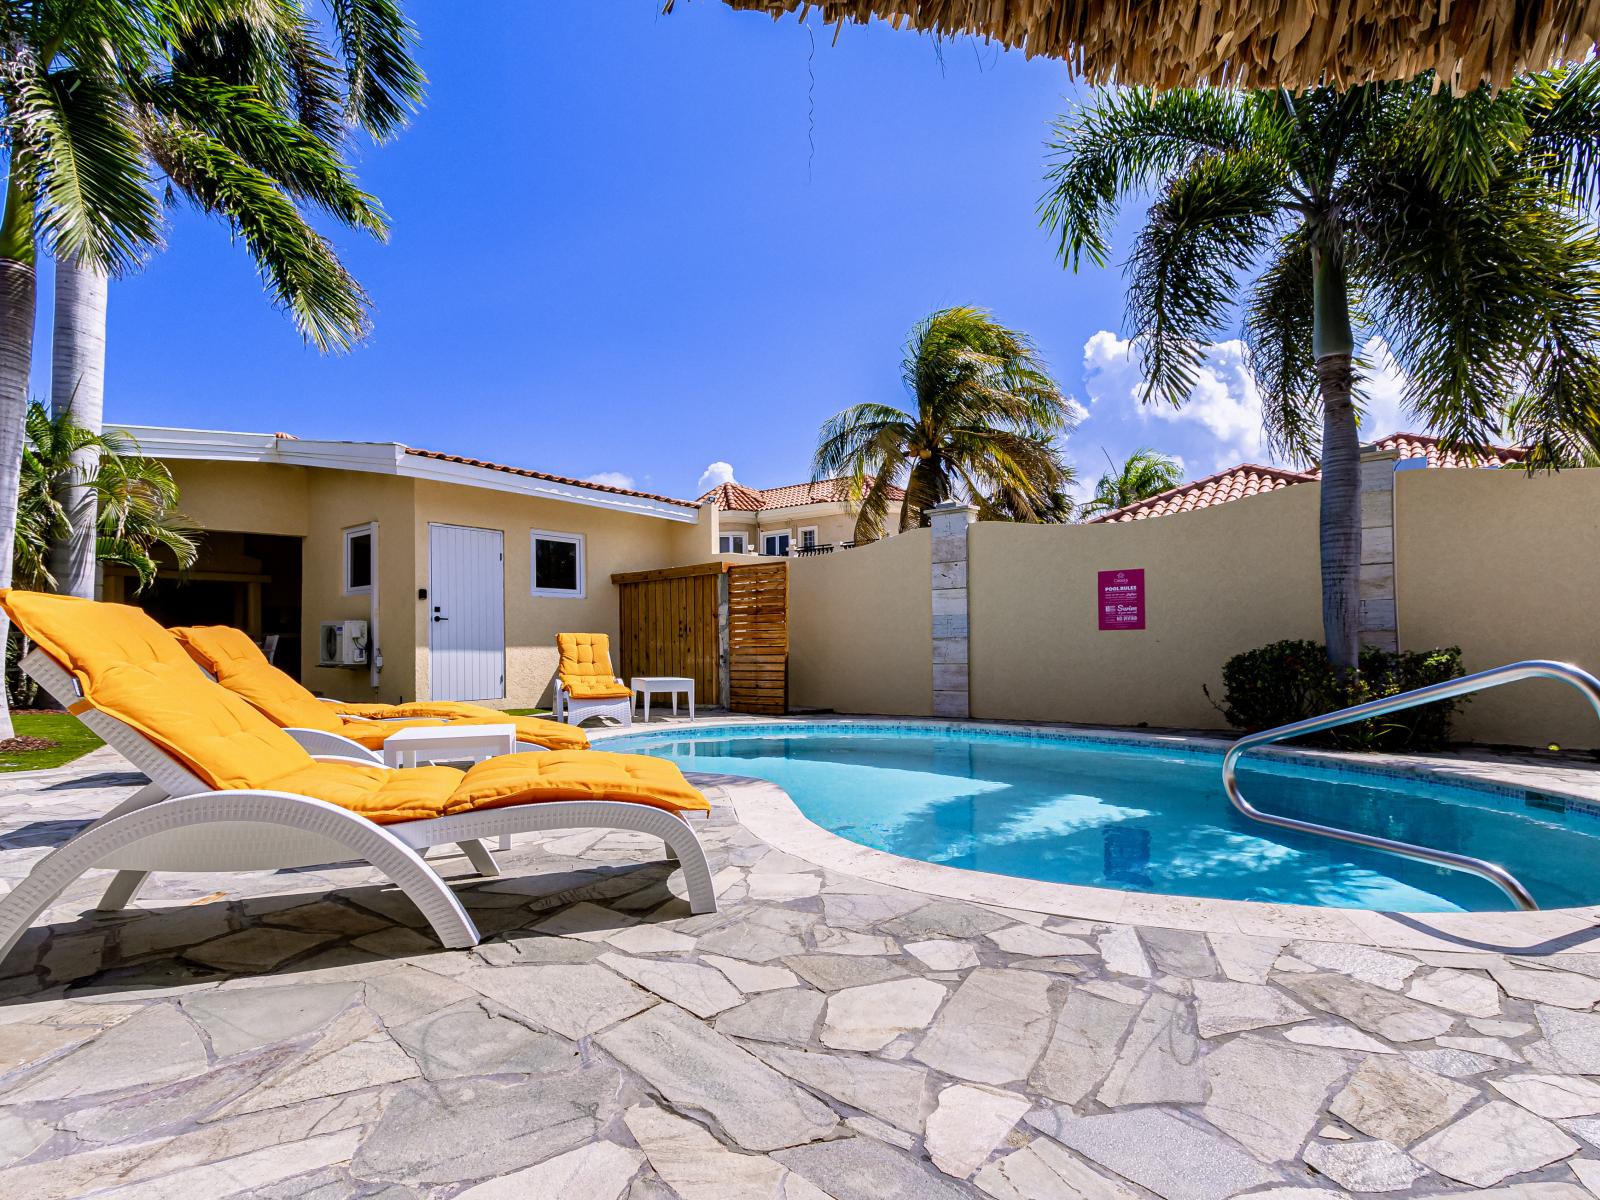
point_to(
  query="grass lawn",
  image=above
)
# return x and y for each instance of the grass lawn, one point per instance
(68, 734)
(527, 712)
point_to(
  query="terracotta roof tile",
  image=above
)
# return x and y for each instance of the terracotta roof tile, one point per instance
(734, 497)
(1235, 483)
(1418, 445)
(1247, 479)
(739, 498)
(523, 471)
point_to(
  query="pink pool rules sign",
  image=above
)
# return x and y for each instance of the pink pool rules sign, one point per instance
(1122, 599)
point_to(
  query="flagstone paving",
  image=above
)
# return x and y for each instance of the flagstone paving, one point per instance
(299, 1036)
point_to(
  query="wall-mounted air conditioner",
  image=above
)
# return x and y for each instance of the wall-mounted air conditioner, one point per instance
(343, 644)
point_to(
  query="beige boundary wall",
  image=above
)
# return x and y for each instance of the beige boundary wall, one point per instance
(860, 628)
(1507, 566)
(1216, 582)
(1504, 565)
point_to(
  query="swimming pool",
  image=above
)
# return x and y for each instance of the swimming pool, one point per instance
(1148, 816)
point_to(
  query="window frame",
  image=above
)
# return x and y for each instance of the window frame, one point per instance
(786, 534)
(552, 535)
(730, 538)
(351, 533)
(800, 538)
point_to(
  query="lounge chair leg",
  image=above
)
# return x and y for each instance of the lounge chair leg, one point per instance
(504, 843)
(124, 887)
(480, 858)
(118, 836)
(672, 855)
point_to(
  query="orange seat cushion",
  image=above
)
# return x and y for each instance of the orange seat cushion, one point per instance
(537, 730)
(585, 667)
(132, 669)
(238, 665)
(241, 667)
(576, 775)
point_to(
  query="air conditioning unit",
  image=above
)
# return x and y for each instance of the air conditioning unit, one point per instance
(344, 644)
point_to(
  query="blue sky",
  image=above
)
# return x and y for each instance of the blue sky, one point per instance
(616, 254)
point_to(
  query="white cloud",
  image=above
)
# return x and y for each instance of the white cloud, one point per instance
(614, 479)
(715, 473)
(1382, 385)
(1224, 401)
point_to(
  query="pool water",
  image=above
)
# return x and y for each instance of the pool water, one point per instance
(1150, 819)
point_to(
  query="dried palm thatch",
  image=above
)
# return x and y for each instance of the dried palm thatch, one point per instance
(1252, 43)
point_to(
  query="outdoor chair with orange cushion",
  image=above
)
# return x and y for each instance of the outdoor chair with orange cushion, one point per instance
(586, 685)
(231, 791)
(329, 727)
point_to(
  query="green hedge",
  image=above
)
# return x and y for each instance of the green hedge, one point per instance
(1292, 680)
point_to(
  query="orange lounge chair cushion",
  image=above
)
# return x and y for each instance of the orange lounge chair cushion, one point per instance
(132, 669)
(541, 732)
(390, 797)
(585, 667)
(239, 665)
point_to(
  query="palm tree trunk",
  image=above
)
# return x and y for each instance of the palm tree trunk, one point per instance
(17, 297)
(77, 385)
(1333, 344)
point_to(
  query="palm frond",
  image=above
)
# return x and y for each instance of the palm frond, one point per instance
(94, 201)
(1278, 323)
(384, 82)
(299, 266)
(1203, 233)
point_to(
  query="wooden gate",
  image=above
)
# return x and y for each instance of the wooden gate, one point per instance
(758, 638)
(669, 626)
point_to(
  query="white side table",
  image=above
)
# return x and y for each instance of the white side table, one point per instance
(454, 743)
(643, 685)
(448, 743)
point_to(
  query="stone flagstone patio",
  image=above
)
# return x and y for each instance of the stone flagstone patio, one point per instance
(297, 1035)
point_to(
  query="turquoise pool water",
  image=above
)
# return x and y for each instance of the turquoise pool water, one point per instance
(1146, 818)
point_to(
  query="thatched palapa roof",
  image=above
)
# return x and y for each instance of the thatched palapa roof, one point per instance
(1252, 43)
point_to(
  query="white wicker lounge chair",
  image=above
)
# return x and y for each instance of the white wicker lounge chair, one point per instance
(177, 822)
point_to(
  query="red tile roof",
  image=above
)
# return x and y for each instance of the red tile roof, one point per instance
(1235, 483)
(733, 496)
(523, 471)
(1418, 445)
(737, 497)
(1247, 479)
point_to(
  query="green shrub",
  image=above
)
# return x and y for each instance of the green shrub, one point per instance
(1292, 680)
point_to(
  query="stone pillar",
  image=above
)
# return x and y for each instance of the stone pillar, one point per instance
(950, 522)
(1379, 621)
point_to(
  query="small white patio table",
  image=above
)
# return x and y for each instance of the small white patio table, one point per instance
(450, 743)
(643, 685)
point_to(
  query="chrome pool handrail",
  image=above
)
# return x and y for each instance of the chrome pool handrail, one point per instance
(1508, 883)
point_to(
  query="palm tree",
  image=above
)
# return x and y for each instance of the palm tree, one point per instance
(1143, 474)
(243, 115)
(983, 426)
(136, 499)
(137, 511)
(1453, 226)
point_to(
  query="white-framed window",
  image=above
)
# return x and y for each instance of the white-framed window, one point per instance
(358, 559)
(808, 537)
(775, 545)
(557, 564)
(730, 543)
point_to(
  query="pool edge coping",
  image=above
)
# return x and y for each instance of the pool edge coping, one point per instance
(768, 812)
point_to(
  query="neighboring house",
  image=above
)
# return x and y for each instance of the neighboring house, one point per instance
(463, 570)
(1416, 450)
(801, 518)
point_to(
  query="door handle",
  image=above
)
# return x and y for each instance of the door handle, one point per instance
(441, 618)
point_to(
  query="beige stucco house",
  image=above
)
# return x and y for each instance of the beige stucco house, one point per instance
(798, 519)
(462, 570)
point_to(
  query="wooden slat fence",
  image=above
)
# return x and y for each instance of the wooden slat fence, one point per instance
(758, 638)
(668, 625)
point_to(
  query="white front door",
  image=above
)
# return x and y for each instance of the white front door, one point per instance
(466, 613)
